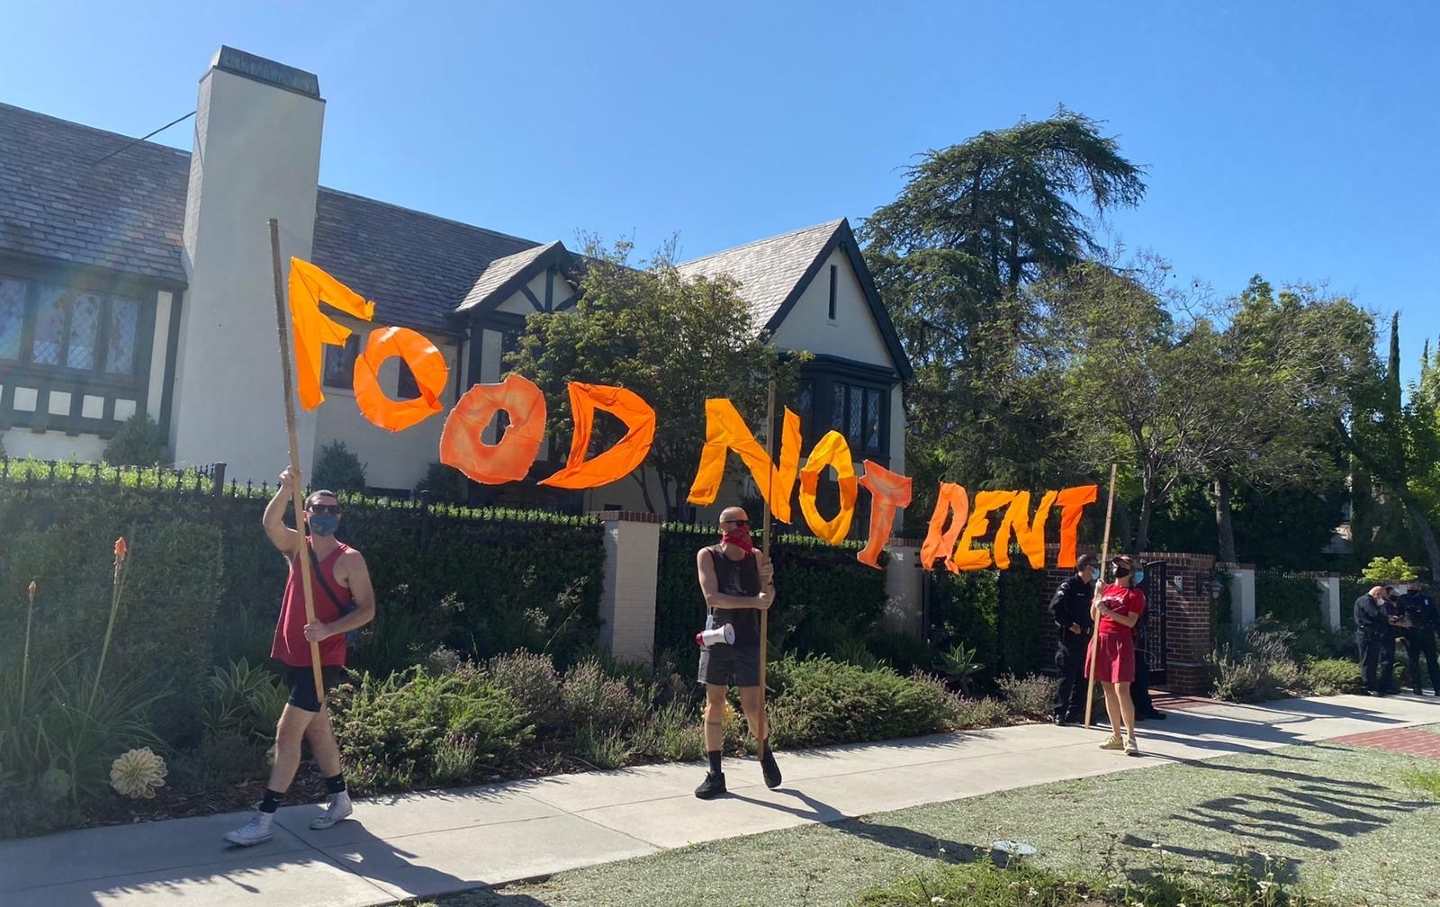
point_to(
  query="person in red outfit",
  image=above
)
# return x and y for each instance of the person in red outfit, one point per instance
(344, 601)
(1117, 612)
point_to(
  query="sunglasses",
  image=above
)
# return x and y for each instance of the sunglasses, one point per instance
(325, 508)
(741, 523)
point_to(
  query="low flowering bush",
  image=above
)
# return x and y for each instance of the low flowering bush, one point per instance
(1029, 697)
(820, 701)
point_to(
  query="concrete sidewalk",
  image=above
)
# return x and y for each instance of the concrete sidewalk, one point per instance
(425, 844)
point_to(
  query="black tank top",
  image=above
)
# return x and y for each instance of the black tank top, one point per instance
(742, 579)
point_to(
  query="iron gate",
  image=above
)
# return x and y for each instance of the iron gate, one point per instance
(1154, 638)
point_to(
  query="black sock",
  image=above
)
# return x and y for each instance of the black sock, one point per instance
(764, 748)
(714, 761)
(336, 784)
(271, 801)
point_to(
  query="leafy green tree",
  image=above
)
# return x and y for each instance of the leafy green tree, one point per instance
(673, 340)
(973, 225)
(1290, 363)
(1395, 445)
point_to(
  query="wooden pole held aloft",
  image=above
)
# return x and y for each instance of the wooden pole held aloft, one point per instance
(297, 494)
(1094, 598)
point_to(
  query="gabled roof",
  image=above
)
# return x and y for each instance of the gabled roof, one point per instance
(127, 213)
(768, 269)
(505, 276)
(773, 274)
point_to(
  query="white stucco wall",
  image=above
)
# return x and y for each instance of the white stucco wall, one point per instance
(852, 335)
(392, 459)
(52, 445)
(257, 156)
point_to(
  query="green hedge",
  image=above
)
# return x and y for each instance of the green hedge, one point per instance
(1001, 614)
(826, 600)
(205, 582)
(1289, 599)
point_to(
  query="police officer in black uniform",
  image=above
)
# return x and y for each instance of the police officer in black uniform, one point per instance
(1420, 612)
(1372, 631)
(1070, 607)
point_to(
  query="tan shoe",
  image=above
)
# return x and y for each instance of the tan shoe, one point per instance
(1114, 743)
(1131, 747)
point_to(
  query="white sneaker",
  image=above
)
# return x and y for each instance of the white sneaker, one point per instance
(337, 810)
(256, 831)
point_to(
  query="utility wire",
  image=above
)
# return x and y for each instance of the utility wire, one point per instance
(141, 139)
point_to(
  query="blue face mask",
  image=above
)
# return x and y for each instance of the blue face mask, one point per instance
(324, 523)
(1139, 577)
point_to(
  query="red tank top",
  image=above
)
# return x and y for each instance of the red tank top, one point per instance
(290, 645)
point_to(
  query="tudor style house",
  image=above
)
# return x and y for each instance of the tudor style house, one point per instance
(137, 279)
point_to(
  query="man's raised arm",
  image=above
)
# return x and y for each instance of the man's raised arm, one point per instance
(280, 535)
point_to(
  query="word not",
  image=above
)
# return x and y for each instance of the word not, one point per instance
(955, 525)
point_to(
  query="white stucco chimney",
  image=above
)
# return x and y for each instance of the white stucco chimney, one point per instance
(257, 155)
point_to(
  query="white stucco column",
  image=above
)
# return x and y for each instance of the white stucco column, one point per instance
(1330, 592)
(1242, 594)
(904, 607)
(257, 155)
(627, 598)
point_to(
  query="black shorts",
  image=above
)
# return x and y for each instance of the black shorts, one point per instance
(302, 684)
(730, 666)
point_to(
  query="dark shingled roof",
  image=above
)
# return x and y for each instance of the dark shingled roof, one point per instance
(127, 214)
(767, 269)
(500, 272)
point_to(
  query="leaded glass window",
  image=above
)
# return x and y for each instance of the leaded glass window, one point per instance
(12, 317)
(85, 312)
(872, 419)
(49, 325)
(120, 344)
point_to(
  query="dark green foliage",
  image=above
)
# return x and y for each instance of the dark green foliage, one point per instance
(825, 598)
(1291, 600)
(820, 701)
(138, 442)
(999, 615)
(413, 730)
(337, 468)
(901, 651)
(443, 485)
(1329, 676)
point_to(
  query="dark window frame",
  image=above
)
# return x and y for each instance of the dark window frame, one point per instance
(834, 277)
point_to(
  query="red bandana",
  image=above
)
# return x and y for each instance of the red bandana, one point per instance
(740, 537)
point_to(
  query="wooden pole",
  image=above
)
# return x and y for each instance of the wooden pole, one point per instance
(765, 542)
(297, 495)
(1094, 599)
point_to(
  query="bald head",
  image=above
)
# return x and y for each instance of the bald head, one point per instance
(732, 515)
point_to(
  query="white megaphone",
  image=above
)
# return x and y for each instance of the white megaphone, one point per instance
(707, 638)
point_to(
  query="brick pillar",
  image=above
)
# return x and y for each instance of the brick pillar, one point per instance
(904, 602)
(627, 598)
(1189, 636)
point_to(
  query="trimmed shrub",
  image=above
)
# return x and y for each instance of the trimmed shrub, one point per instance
(411, 730)
(1256, 665)
(593, 699)
(534, 684)
(821, 701)
(139, 441)
(1291, 600)
(337, 469)
(1330, 676)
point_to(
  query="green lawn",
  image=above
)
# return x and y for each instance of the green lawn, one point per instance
(1350, 826)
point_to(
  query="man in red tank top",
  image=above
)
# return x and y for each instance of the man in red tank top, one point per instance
(344, 601)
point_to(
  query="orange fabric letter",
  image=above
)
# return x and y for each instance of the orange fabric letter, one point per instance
(1073, 502)
(889, 491)
(462, 442)
(426, 364)
(952, 502)
(617, 462)
(967, 558)
(1030, 534)
(726, 431)
(312, 330)
(830, 451)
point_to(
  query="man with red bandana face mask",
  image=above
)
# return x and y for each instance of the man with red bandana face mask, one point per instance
(738, 583)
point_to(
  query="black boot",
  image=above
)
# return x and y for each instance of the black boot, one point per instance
(770, 768)
(712, 787)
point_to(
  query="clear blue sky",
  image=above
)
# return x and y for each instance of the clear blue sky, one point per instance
(1299, 140)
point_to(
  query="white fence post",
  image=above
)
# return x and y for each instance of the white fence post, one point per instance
(628, 599)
